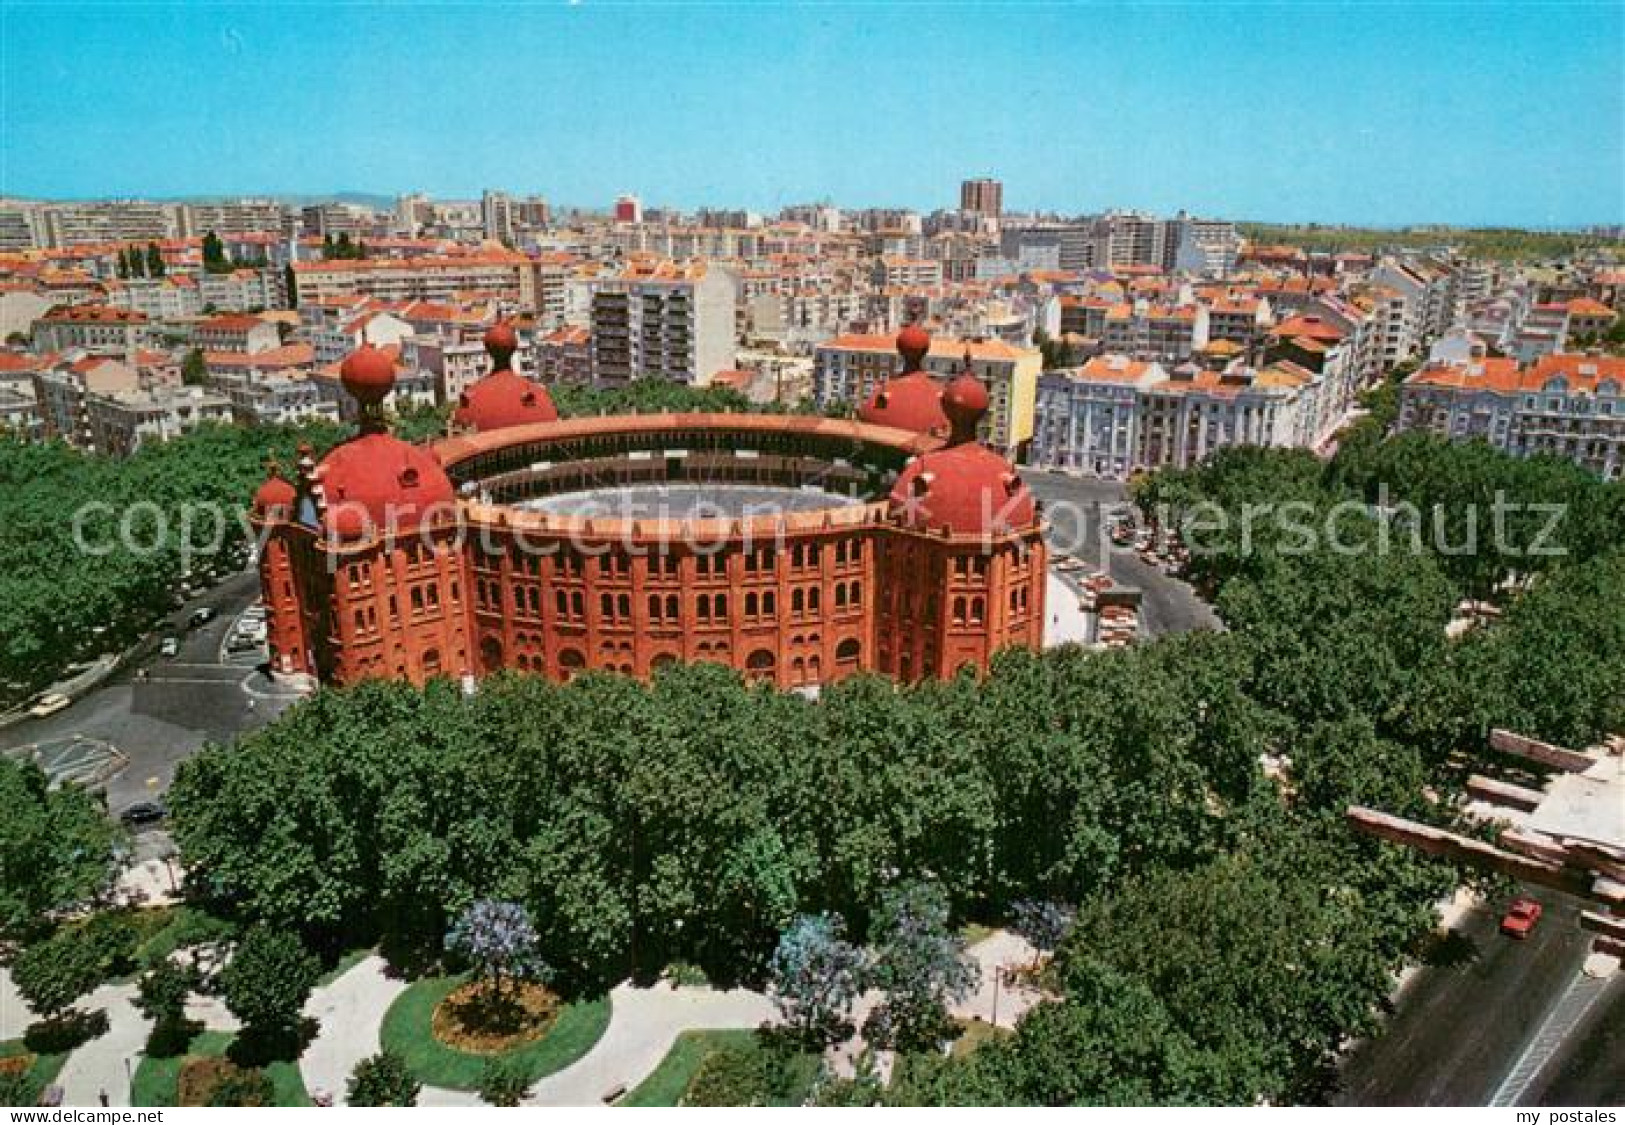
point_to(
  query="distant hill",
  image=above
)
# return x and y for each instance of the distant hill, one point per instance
(1501, 243)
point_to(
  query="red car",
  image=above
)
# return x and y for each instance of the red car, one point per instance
(1520, 918)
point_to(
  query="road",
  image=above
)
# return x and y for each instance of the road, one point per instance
(1461, 1024)
(1074, 507)
(157, 721)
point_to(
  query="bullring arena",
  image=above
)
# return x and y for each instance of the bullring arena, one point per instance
(795, 549)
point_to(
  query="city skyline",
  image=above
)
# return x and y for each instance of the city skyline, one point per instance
(897, 117)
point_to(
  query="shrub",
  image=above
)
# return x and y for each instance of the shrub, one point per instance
(383, 1080)
(503, 1082)
(240, 1087)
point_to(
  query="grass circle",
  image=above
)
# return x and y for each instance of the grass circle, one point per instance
(408, 1030)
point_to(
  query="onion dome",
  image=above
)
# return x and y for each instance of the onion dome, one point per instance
(275, 498)
(503, 398)
(912, 400)
(964, 488)
(376, 483)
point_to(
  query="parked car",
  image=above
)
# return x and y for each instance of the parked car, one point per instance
(143, 812)
(1520, 918)
(171, 647)
(49, 704)
(201, 616)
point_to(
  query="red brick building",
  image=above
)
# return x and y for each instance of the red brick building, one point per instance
(795, 549)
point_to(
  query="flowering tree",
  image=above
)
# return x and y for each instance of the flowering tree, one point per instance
(499, 940)
(816, 975)
(920, 964)
(1041, 922)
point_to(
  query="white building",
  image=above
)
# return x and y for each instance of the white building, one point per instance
(663, 320)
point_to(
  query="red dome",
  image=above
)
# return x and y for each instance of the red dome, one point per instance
(501, 337)
(964, 402)
(502, 399)
(913, 342)
(908, 402)
(368, 373)
(964, 489)
(378, 483)
(274, 498)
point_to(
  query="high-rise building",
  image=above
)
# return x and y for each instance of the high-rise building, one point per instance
(628, 209)
(663, 321)
(983, 197)
(496, 216)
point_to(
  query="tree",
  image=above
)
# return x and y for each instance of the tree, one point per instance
(1042, 923)
(214, 255)
(268, 980)
(51, 975)
(161, 995)
(56, 846)
(290, 282)
(816, 976)
(920, 964)
(155, 260)
(504, 1082)
(500, 942)
(383, 1080)
(194, 369)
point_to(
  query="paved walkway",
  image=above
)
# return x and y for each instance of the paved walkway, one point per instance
(643, 1026)
(644, 1023)
(351, 1010)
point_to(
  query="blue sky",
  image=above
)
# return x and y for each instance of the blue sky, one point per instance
(1355, 112)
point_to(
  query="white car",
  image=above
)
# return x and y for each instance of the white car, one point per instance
(49, 704)
(170, 647)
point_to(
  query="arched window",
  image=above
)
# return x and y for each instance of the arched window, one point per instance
(798, 602)
(840, 595)
(561, 603)
(814, 672)
(798, 671)
(847, 654)
(578, 604)
(814, 595)
(760, 664)
(977, 610)
(769, 602)
(672, 607)
(662, 661)
(751, 606)
(959, 611)
(606, 605)
(490, 654)
(654, 607)
(623, 605)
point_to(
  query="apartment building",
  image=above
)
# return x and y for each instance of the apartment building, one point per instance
(663, 320)
(277, 399)
(501, 275)
(1087, 418)
(236, 332)
(564, 356)
(120, 220)
(100, 329)
(1116, 416)
(121, 422)
(1562, 405)
(232, 217)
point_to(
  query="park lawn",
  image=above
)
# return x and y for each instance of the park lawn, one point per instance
(669, 1081)
(157, 1080)
(407, 1030)
(43, 1070)
(974, 1033)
